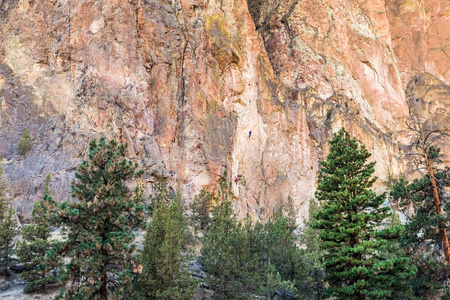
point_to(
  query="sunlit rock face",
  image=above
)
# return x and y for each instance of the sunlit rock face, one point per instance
(184, 82)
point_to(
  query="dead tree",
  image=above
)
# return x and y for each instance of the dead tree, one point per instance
(425, 155)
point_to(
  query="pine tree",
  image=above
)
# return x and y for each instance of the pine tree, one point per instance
(99, 225)
(289, 207)
(47, 190)
(422, 239)
(201, 210)
(227, 254)
(247, 260)
(8, 227)
(39, 271)
(313, 255)
(350, 223)
(32, 250)
(161, 192)
(280, 251)
(165, 257)
(25, 143)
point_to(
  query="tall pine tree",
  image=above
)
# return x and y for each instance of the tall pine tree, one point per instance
(422, 239)
(313, 255)
(165, 256)
(35, 244)
(8, 226)
(201, 210)
(246, 260)
(39, 272)
(228, 252)
(99, 225)
(355, 258)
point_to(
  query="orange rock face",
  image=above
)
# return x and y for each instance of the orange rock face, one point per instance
(184, 82)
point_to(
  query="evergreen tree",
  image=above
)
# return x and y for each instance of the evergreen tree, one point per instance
(8, 227)
(280, 252)
(164, 257)
(201, 210)
(47, 190)
(422, 239)
(227, 254)
(247, 260)
(99, 225)
(291, 213)
(313, 254)
(25, 143)
(161, 192)
(350, 221)
(39, 271)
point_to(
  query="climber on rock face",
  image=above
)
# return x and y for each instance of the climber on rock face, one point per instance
(250, 134)
(236, 179)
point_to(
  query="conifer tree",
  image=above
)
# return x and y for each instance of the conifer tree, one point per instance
(25, 143)
(289, 207)
(350, 221)
(313, 254)
(99, 225)
(165, 257)
(201, 210)
(280, 252)
(32, 250)
(421, 238)
(8, 227)
(227, 252)
(47, 190)
(34, 246)
(247, 260)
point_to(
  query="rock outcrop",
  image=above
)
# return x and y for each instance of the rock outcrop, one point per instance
(184, 82)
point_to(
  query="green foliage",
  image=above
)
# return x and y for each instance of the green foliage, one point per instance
(291, 212)
(47, 190)
(8, 227)
(279, 251)
(165, 258)
(356, 257)
(201, 210)
(99, 225)
(25, 143)
(421, 239)
(39, 271)
(161, 192)
(227, 255)
(244, 260)
(313, 253)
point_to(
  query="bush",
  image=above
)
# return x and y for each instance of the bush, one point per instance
(249, 259)
(26, 142)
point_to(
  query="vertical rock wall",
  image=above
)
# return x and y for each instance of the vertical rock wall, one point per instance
(185, 81)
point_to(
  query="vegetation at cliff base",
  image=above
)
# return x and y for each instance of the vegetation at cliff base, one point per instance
(39, 270)
(251, 260)
(8, 227)
(352, 245)
(165, 256)
(421, 239)
(99, 225)
(356, 247)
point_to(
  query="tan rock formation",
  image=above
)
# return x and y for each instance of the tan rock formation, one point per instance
(185, 81)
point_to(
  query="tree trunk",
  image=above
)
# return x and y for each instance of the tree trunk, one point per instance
(103, 290)
(104, 273)
(437, 204)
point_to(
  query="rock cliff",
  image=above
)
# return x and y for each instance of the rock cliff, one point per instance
(184, 82)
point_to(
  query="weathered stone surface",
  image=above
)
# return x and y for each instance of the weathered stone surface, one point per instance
(183, 82)
(4, 285)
